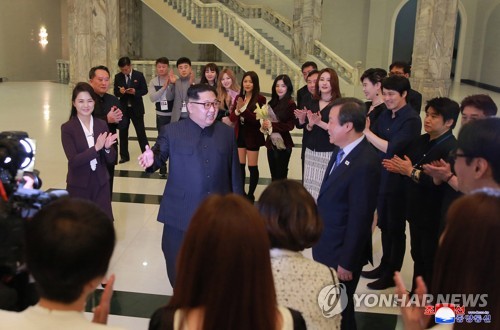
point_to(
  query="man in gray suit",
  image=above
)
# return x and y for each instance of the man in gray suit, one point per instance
(203, 160)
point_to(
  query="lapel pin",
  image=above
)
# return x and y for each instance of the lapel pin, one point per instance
(347, 162)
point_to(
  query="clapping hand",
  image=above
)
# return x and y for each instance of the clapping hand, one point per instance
(301, 114)
(313, 118)
(398, 165)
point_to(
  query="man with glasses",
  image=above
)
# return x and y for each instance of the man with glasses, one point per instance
(477, 158)
(413, 98)
(203, 160)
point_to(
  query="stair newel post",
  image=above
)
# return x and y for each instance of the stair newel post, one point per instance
(251, 40)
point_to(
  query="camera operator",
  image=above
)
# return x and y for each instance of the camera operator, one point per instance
(68, 246)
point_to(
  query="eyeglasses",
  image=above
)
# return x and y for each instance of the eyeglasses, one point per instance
(208, 105)
(454, 155)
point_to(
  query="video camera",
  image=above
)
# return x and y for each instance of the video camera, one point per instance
(20, 196)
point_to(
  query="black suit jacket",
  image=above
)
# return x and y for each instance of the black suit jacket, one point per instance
(414, 99)
(346, 203)
(141, 89)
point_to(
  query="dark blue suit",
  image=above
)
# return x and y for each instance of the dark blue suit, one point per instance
(132, 107)
(201, 162)
(346, 203)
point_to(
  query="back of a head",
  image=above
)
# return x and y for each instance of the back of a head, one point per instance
(224, 266)
(481, 138)
(291, 216)
(465, 260)
(68, 244)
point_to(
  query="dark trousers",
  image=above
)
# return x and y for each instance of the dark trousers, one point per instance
(392, 223)
(424, 238)
(278, 163)
(348, 320)
(160, 122)
(171, 242)
(138, 121)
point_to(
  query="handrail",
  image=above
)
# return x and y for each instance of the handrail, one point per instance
(343, 69)
(266, 13)
(218, 16)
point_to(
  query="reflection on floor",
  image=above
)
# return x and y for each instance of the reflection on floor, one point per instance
(141, 280)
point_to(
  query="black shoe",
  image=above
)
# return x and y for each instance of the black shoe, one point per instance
(251, 198)
(123, 160)
(382, 283)
(372, 274)
(163, 176)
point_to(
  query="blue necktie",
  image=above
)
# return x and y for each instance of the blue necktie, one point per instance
(337, 160)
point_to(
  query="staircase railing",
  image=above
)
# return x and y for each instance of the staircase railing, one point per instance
(344, 70)
(218, 16)
(255, 11)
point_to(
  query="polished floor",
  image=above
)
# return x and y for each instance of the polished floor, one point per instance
(40, 108)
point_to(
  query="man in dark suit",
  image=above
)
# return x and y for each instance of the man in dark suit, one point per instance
(413, 98)
(347, 199)
(203, 160)
(304, 96)
(107, 108)
(130, 86)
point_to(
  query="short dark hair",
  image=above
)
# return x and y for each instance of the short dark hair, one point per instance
(68, 244)
(396, 83)
(312, 72)
(291, 216)
(194, 91)
(482, 102)
(374, 75)
(95, 68)
(309, 63)
(445, 107)
(401, 64)
(213, 67)
(81, 87)
(162, 60)
(183, 60)
(481, 138)
(352, 111)
(124, 61)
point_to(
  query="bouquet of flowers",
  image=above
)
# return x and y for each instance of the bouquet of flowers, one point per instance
(266, 113)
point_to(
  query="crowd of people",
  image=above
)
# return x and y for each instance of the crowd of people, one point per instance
(363, 164)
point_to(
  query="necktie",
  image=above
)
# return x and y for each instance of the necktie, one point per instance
(128, 80)
(337, 160)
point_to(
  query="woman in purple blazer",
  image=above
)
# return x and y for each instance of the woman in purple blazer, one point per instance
(87, 145)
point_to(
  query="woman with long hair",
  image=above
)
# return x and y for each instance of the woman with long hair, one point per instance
(247, 128)
(227, 91)
(316, 139)
(293, 224)
(224, 277)
(209, 74)
(87, 145)
(279, 142)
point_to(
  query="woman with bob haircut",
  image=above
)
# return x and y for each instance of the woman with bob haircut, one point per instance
(224, 278)
(293, 224)
(465, 261)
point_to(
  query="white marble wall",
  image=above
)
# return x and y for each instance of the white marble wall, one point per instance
(130, 28)
(433, 47)
(93, 36)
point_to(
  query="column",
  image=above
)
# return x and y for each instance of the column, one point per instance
(433, 47)
(306, 27)
(92, 35)
(130, 21)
